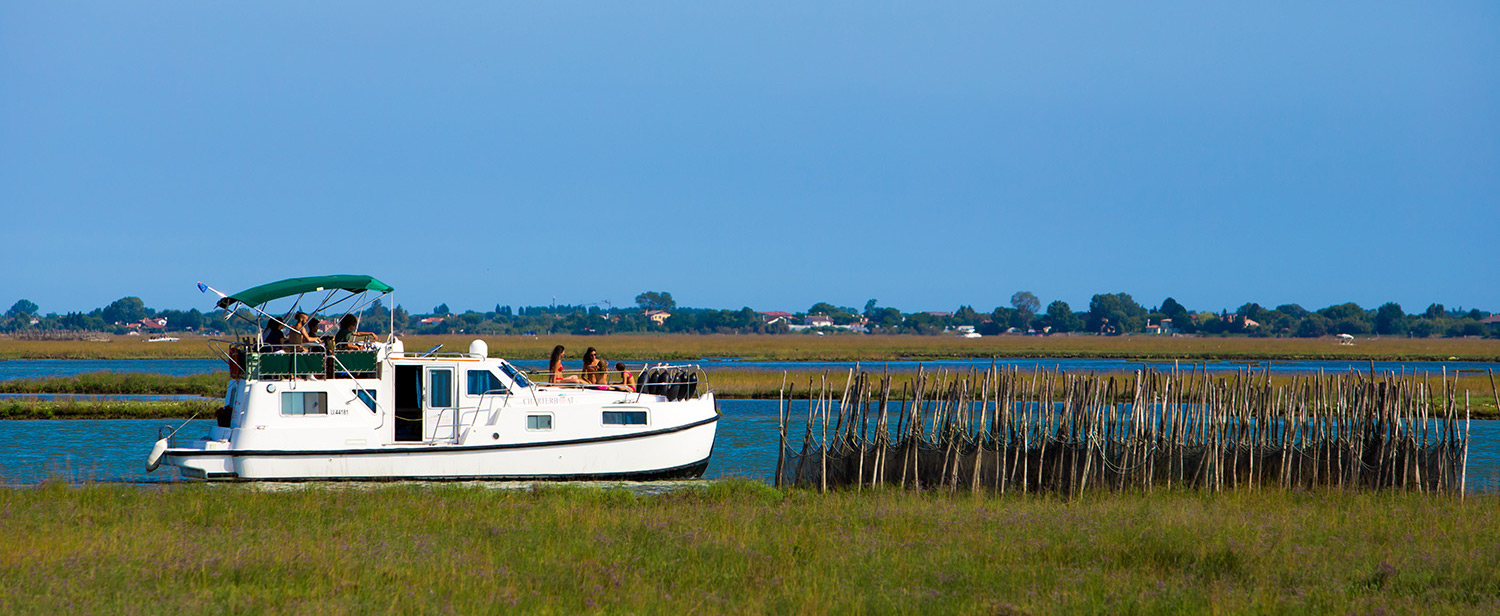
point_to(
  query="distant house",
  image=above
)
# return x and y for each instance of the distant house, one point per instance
(148, 323)
(658, 316)
(818, 320)
(773, 317)
(431, 320)
(1166, 327)
(1492, 322)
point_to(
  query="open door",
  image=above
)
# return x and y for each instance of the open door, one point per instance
(408, 403)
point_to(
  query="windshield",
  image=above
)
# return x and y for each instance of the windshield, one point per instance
(515, 375)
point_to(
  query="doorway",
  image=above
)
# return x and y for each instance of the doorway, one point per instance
(408, 403)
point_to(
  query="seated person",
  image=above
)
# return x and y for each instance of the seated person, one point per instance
(300, 334)
(627, 380)
(313, 325)
(595, 370)
(343, 339)
(273, 337)
(554, 368)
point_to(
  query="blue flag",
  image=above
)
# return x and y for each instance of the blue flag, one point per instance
(202, 288)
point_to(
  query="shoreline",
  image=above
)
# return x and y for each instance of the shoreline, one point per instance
(797, 347)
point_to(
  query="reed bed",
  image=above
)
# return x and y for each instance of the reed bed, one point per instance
(797, 347)
(730, 383)
(1044, 431)
(106, 409)
(99, 383)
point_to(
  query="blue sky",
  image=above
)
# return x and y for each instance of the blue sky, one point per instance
(769, 155)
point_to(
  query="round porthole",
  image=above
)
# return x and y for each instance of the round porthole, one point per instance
(497, 436)
(270, 388)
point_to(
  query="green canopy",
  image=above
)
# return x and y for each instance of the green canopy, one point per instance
(255, 296)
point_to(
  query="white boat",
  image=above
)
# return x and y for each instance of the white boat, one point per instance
(374, 411)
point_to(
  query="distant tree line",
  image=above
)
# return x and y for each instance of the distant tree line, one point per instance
(1107, 314)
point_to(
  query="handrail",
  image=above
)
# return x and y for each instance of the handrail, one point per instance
(296, 348)
(425, 355)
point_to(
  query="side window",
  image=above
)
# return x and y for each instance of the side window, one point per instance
(625, 418)
(304, 403)
(539, 422)
(483, 382)
(441, 382)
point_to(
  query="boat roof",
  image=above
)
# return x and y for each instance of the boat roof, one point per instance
(354, 283)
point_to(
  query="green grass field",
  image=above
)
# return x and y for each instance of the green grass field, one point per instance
(738, 547)
(841, 348)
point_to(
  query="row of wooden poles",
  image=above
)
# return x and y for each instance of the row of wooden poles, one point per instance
(1048, 431)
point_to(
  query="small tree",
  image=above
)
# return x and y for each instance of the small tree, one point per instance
(653, 300)
(23, 307)
(124, 310)
(1026, 306)
(1390, 319)
(1060, 317)
(1312, 326)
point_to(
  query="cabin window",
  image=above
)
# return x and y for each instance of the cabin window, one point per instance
(304, 403)
(539, 422)
(442, 388)
(624, 418)
(515, 375)
(484, 382)
(366, 396)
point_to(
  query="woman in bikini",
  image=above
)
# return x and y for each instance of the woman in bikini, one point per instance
(554, 368)
(594, 369)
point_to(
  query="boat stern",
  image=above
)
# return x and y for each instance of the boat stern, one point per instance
(200, 459)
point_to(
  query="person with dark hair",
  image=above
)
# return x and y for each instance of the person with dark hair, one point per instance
(344, 337)
(627, 380)
(273, 337)
(299, 334)
(554, 368)
(595, 370)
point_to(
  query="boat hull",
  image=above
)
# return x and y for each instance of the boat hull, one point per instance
(680, 452)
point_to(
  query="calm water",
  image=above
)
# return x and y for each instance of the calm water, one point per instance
(115, 450)
(38, 368)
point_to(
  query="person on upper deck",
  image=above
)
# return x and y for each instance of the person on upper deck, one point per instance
(272, 337)
(343, 339)
(554, 368)
(299, 333)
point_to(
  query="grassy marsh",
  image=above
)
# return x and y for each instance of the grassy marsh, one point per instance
(841, 348)
(738, 547)
(726, 382)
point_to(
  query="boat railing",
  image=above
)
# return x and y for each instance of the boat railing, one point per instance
(248, 359)
(434, 355)
(673, 381)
